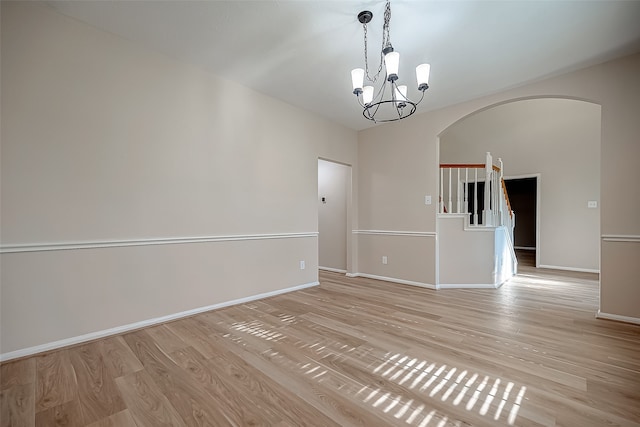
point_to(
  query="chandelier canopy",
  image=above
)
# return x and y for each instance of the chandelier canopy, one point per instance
(389, 102)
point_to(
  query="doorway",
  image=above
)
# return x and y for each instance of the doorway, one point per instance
(524, 198)
(334, 190)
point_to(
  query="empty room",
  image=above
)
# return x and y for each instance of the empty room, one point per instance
(321, 213)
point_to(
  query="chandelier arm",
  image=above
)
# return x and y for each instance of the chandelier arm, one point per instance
(369, 115)
(380, 95)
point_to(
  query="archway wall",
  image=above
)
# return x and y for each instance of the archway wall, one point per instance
(558, 139)
(398, 166)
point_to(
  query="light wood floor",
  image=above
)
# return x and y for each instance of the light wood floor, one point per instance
(352, 352)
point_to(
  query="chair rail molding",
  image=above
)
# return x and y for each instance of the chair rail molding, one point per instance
(621, 238)
(396, 233)
(60, 246)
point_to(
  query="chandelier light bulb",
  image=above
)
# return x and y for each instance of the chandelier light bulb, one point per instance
(357, 80)
(401, 96)
(392, 63)
(422, 75)
(367, 95)
(401, 93)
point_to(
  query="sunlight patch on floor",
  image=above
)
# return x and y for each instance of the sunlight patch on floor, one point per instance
(412, 383)
(490, 397)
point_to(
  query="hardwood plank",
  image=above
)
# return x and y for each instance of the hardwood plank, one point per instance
(19, 372)
(334, 406)
(241, 408)
(17, 406)
(194, 334)
(165, 338)
(97, 392)
(147, 405)
(55, 380)
(118, 357)
(66, 414)
(120, 419)
(190, 400)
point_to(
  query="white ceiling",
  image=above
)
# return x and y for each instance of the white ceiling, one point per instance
(302, 52)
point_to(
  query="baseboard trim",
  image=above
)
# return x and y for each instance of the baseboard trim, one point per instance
(580, 270)
(334, 270)
(393, 279)
(30, 351)
(618, 318)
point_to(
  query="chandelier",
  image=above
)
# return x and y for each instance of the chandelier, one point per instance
(389, 102)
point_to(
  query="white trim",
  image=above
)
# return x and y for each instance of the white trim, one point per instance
(392, 279)
(60, 246)
(137, 325)
(621, 238)
(617, 317)
(335, 270)
(580, 270)
(469, 286)
(467, 225)
(396, 233)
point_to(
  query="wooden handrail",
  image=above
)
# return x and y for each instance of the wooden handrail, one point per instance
(506, 196)
(466, 165)
(462, 165)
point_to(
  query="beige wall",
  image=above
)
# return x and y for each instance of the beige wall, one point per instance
(558, 139)
(399, 163)
(104, 141)
(334, 185)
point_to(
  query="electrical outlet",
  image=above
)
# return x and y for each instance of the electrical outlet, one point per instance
(302, 266)
(384, 259)
(592, 204)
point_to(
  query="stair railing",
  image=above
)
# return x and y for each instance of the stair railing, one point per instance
(496, 206)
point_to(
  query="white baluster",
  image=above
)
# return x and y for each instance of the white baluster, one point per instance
(488, 168)
(475, 198)
(466, 190)
(449, 204)
(441, 195)
(458, 193)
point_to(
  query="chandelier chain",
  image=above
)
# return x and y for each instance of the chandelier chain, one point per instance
(386, 41)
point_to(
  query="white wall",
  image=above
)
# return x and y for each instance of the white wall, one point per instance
(560, 140)
(334, 185)
(395, 177)
(106, 144)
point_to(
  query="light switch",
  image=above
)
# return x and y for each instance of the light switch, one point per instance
(427, 200)
(592, 204)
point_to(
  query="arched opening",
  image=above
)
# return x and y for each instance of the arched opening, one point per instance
(557, 141)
